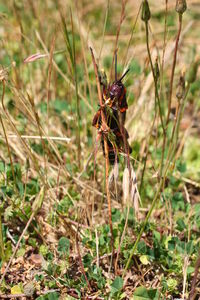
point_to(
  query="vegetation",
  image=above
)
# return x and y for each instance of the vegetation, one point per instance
(73, 226)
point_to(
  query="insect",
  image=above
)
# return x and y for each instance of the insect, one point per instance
(114, 108)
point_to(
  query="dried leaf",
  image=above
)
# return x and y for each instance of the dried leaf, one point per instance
(144, 260)
(37, 259)
(37, 204)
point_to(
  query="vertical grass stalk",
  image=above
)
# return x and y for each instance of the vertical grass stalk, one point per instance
(154, 76)
(4, 131)
(76, 92)
(173, 68)
(171, 89)
(106, 153)
(72, 54)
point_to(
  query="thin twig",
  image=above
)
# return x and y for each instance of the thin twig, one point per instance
(37, 137)
(49, 76)
(10, 296)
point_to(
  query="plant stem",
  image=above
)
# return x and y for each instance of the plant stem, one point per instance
(104, 27)
(117, 34)
(108, 195)
(143, 227)
(131, 37)
(49, 77)
(173, 68)
(106, 153)
(171, 90)
(4, 131)
(76, 92)
(154, 76)
(2, 254)
(164, 132)
(164, 48)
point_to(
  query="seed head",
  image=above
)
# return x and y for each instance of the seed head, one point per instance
(146, 13)
(193, 71)
(181, 6)
(181, 88)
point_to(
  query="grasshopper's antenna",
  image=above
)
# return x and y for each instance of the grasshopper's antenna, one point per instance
(116, 65)
(124, 75)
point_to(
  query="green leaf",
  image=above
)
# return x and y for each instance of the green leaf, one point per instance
(60, 106)
(4, 9)
(53, 296)
(135, 67)
(157, 235)
(37, 204)
(190, 270)
(141, 293)
(144, 260)
(181, 167)
(117, 285)
(63, 245)
(172, 284)
(21, 252)
(180, 225)
(116, 214)
(2, 166)
(50, 296)
(17, 289)
(142, 248)
(197, 209)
